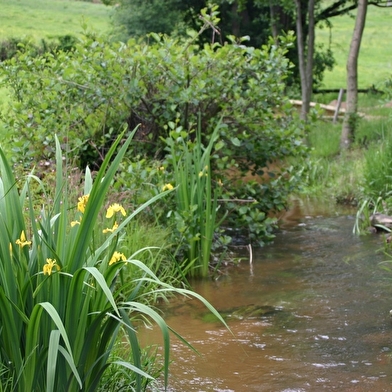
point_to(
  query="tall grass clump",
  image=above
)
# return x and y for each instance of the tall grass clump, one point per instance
(378, 167)
(329, 171)
(63, 304)
(371, 131)
(196, 196)
(324, 139)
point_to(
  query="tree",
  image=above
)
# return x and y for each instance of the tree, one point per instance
(305, 54)
(140, 17)
(257, 19)
(350, 118)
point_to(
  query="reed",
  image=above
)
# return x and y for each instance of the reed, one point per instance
(195, 198)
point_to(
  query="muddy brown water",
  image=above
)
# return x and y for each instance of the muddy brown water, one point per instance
(332, 328)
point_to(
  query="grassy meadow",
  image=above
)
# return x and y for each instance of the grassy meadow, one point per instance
(375, 59)
(50, 18)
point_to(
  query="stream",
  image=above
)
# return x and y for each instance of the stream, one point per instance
(329, 327)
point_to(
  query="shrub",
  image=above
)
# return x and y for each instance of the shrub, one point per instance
(87, 94)
(11, 47)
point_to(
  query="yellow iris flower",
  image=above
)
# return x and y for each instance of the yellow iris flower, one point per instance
(48, 267)
(168, 187)
(22, 240)
(117, 256)
(82, 203)
(114, 228)
(115, 208)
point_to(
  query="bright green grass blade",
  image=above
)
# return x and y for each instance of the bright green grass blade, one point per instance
(184, 341)
(133, 368)
(146, 310)
(56, 319)
(76, 311)
(60, 183)
(134, 342)
(15, 222)
(105, 288)
(88, 181)
(9, 333)
(95, 202)
(71, 364)
(53, 350)
(32, 343)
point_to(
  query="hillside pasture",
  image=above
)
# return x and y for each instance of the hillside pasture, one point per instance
(39, 19)
(375, 59)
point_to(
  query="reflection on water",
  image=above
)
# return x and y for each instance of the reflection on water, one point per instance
(331, 330)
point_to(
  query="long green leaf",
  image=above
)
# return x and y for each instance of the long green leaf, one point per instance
(105, 288)
(71, 364)
(32, 344)
(146, 310)
(59, 324)
(76, 314)
(95, 202)
(53, 350)
(134, 342)
(133, 369)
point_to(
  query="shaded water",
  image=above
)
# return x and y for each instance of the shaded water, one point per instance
(332, 329)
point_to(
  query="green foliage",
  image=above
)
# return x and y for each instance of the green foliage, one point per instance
(12, 46)
(324, 139)
(236, 18)
(140, 17)
(140, 234)
(76, 96)
(62, 303)
(327, 171)
(371, 131)
(196, 204)
(366, 208)
(87, 94)
(378, 168)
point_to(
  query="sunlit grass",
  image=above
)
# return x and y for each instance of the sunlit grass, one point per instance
(324, 139)
(50, 18)
(375, 60)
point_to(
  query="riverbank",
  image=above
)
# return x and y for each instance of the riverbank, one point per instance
(350, 176)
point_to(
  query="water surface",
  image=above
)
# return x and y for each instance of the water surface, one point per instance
(331, 330)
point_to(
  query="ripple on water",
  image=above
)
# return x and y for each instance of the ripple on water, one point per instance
(332, 332)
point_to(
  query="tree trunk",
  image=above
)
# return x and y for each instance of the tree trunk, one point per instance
(350, 119)
(305, 55)
(274, 23)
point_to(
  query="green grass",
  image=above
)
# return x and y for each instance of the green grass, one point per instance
(324, 137)
(375, 59)
(50, 18)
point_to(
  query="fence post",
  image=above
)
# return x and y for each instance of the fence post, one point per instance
(341, 92)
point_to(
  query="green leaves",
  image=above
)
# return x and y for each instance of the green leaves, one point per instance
(196, 197)
(59, 326)
(88, 94)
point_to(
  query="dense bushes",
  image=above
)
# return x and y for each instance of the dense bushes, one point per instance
(12, 46)
(85, 96)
